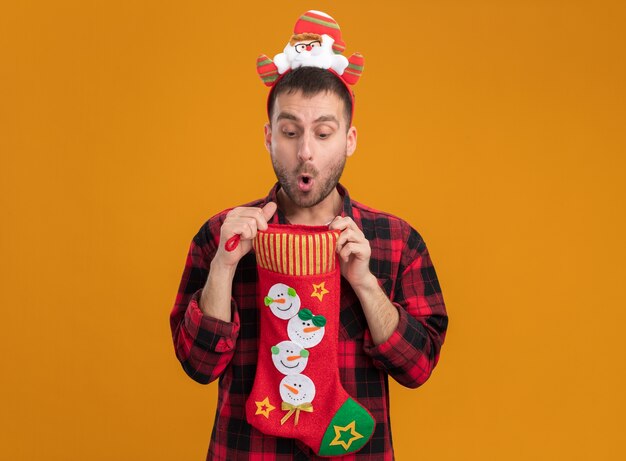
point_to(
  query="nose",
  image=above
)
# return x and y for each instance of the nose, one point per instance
(292, 389)
(291, 358)
(304, 151)
(310, 329)
(309, 47)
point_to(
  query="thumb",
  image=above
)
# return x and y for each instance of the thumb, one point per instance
(268, 210)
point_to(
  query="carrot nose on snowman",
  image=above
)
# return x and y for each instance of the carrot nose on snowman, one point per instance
(292, 389)
(269, 301)
(310, 329)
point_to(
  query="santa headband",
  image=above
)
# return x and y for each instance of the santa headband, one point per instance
(316, 42)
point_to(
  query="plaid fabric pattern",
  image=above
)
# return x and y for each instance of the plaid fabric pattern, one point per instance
(210, 349)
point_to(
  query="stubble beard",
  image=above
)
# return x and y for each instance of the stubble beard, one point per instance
(289, 182)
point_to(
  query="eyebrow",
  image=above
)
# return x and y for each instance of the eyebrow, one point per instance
(327, 118)
(323, 118)
(287, 116)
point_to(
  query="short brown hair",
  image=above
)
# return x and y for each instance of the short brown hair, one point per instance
(311, 81)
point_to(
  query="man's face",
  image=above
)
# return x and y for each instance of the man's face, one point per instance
(309, 143)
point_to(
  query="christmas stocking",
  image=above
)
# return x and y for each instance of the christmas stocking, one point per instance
(296, 392)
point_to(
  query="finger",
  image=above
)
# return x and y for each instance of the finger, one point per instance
(351, 235)
(344, 223)
(332, 223)
(251, 228)
(343, 238)
(259, 220)
(253, 213)
(359, 251)
(339, 223)
(268, 210)
(347, 251)
(245, 227)
(263, 215)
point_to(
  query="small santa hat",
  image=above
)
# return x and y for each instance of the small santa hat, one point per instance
(317, 22)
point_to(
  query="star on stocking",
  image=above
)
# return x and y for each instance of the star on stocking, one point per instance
(264, 407)
(319, 290)
(340, 431)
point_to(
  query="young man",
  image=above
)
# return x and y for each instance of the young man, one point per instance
(392, 315)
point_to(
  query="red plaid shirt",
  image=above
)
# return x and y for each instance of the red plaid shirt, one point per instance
(209, 348)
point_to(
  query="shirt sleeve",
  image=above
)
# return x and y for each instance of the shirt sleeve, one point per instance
(204, 345)
(412, 351)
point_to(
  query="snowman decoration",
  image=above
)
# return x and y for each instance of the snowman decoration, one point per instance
(306, 329)
(289, 358)
(316, 42)
(297, 392)
(283, 301)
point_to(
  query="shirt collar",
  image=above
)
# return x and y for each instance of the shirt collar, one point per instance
(279, 216)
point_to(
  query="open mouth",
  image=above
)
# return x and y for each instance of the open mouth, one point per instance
(305, 182)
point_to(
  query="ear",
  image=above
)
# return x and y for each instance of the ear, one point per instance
(268, 137)
(351, 141)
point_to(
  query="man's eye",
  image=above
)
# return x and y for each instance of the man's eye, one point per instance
(324, 135)
(289, 134)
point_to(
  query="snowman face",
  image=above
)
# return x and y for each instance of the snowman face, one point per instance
(297, 389)
(289, 358)
(304, 331)
(283, 301)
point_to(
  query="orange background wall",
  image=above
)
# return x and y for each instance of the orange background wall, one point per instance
(495, 128)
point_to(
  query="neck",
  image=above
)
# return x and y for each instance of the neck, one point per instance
(319, 215)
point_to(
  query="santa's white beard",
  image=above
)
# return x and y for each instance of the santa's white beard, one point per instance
(322, 57)
(317, 57)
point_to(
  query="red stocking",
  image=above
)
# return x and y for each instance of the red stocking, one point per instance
(297, 392)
